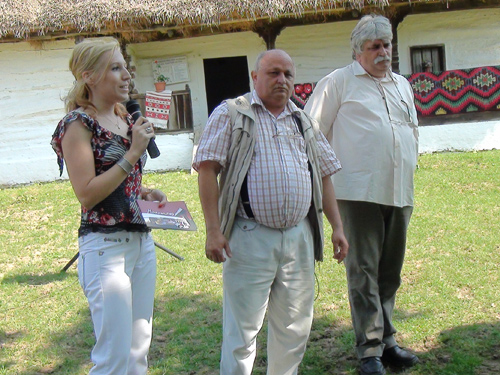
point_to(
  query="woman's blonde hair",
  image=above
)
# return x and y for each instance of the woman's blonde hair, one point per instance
(88, 57)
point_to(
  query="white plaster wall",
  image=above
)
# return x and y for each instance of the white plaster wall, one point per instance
(176, 152)
(317, 49)
(195, 49)
(483, 135)
(33, 82)
(471, 37)
(35, 79)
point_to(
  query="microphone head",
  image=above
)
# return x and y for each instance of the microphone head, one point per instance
(134, 109)
(133, 106)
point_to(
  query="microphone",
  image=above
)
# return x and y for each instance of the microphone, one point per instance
(135, 111)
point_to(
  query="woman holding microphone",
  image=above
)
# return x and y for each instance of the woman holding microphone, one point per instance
(104, 153)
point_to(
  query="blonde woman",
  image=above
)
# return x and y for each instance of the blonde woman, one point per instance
(104, 155)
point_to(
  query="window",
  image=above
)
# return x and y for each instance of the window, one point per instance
(427, 59)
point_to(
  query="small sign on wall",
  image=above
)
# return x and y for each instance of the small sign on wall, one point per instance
(173, 69)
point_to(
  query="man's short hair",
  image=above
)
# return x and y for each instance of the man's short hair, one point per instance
(370, 27)
(263, 53)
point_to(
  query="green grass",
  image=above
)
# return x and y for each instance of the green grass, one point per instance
(448, 308)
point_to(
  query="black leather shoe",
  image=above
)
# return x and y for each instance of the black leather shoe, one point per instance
(399, 358)
(371, 366)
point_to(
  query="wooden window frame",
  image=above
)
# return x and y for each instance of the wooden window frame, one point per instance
(439, 55)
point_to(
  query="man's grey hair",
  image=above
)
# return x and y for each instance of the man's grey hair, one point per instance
(370, 27)
(262, 54)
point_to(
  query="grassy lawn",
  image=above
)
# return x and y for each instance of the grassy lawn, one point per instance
(448, 308)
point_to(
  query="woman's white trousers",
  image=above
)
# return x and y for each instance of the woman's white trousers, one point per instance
(117, 272)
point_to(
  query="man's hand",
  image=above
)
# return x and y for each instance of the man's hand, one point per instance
(215, 247)
(216, 243)
(331, 210)
(340, 245)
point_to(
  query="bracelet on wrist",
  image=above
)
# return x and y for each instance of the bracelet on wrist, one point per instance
(125, 165)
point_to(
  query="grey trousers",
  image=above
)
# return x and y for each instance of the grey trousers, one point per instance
(377, 240)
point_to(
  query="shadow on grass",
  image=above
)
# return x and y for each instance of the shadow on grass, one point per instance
(187, 334)
(70, 349)
(330, 349)
(187, 337)
(7, 338)
(466, 350)
(31, 279)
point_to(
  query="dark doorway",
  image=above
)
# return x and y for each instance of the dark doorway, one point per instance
(225, 78)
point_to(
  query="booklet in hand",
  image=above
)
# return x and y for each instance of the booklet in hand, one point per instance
(173, 215)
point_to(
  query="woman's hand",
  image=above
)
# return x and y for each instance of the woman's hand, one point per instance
(154, 195)
(142, 132)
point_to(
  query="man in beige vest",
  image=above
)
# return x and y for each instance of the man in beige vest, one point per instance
(264, 217)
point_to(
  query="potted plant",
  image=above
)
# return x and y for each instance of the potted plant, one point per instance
(160, 79)
(161, 83)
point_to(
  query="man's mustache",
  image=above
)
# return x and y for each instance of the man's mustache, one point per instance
(381, 58)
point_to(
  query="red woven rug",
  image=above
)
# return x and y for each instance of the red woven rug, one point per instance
(449, 92)
(457, 91)
(158, 107)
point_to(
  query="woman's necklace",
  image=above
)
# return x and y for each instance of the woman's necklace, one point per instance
(116, 121)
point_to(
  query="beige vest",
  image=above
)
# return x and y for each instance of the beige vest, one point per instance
(240, 155)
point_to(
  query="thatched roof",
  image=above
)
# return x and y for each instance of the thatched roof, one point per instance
(34, 18)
